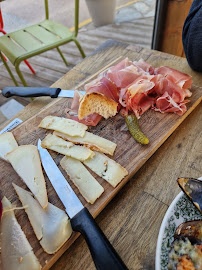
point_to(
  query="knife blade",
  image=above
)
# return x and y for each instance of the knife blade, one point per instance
(104, 255)
(38, 92)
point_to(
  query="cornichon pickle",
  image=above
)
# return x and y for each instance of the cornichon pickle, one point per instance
(134, 128)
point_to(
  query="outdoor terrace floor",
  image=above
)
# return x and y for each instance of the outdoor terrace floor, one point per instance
(136, 29)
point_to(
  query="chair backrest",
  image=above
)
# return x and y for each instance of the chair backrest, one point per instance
(76, 15)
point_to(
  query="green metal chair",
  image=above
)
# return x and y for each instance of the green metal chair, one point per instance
(35, 39)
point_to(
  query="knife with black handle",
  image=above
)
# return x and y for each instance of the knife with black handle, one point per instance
(38, 92)
(104, 255)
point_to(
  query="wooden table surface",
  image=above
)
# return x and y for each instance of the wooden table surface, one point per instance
(132, 220)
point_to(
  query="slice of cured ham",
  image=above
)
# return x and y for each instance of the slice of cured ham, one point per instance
(163, 85)
(124, 77)
(137, 86)
(90, 120)
(137, 97)
(121, 65)
(182, 80)
(165, 104)
(142, 65)
(126, 72)
(105, 87)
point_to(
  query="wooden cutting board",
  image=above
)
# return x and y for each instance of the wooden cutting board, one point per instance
(158, 127)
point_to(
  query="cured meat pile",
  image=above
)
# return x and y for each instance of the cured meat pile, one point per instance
(136, 87)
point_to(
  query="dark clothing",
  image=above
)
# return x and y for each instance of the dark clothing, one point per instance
(192, 36)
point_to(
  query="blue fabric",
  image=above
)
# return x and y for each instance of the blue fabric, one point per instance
(192, 36)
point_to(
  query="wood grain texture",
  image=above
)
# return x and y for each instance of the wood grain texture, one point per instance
(133, 217)
(176, 13)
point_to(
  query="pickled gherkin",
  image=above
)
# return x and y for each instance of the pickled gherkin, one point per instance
(134, 128)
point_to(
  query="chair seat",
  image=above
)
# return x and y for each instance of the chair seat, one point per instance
(35, 39)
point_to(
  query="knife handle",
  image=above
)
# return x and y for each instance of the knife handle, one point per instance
(30, 91)
(104, 255)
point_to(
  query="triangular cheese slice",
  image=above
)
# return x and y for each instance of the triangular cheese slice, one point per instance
(26, 162)
(51, 225)
(16, 252)
(7, 144)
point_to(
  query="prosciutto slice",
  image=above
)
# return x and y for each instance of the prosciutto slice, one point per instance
(137, 86)
(163, 85)
(166, 103)
(105, 87)
(121, 65)
(182, 80)
(124, 77)
(138, 98)
(144, 66)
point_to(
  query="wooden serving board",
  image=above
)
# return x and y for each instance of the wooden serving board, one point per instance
(158, 127)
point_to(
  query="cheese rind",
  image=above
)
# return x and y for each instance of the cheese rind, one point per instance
(88, 186)
(106, 168)
(16, 252)
(64, 125)
(91, 140)
(63, 147)
(7, 144)
(26, 162)
(51, 225)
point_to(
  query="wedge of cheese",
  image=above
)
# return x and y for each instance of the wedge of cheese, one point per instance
(16, 252)
(88, 186)
(63, 147)
(26, 162)
(64, 125)
(106, 168)
(91, 140)
(7, 144)
(51, 225)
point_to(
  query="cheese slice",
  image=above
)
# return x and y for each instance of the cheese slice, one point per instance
(91, 140)
(63, 147)
(64, 125)
(51, 225)
(7, 144)
(88, 186)
(16, 252)
(106, 168)
(26, 162)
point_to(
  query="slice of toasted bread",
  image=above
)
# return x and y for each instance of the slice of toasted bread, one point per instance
(97, 103)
